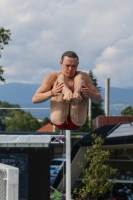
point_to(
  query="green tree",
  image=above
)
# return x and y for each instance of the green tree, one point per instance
(128, 111)
(8, 112)
(2, 125)
(45, 121)
(57, 130)
(1, 73)
(96, 108)
(22, 122)
(96, 175)
(4, 40)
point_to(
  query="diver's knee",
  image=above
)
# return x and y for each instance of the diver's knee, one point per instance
(57, 119)
(79, 77)
(62, 76)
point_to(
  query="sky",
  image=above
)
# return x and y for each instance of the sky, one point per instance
(99, 31)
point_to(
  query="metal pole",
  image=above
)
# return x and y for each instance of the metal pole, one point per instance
(107, 96)
(68, 164)
(111, 194)
(90, 110)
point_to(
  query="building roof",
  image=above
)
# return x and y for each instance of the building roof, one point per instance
(46, 128)
(121, 133)
(115, 137)
(24, 140)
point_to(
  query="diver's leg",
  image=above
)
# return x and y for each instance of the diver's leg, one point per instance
(67, 93)
(78, 81)
(78, 109)
(78, 112)
(59, 110)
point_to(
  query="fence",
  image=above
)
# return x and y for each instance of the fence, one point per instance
(9, 182)
(3, 177)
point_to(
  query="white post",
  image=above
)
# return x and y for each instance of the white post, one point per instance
(68, 164)
(90, 110)
(107, 96)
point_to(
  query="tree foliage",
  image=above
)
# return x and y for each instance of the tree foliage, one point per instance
(2, 124)
(22, 122)
(45, 121)
(8, 112)
(1, 73)
(4, 37)
(96, 108)
(94, 81)
(96, 175)
(16, 119)
(128, 111)
(4, 40)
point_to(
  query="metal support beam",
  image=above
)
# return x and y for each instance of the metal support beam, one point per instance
(107, 96)
(89, 110)
(68, 164)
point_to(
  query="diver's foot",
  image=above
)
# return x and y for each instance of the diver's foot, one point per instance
(68, 96)
(76, 99)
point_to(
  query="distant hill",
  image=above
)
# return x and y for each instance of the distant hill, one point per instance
(119, 99)
(19, 93)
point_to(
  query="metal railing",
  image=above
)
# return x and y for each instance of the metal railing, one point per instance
(3, 177)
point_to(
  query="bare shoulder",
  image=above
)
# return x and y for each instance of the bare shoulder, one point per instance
(48, 82)
(51, 78)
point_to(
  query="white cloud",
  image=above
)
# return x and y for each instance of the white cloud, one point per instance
(109, 53)
(99, 31)
(116, 63)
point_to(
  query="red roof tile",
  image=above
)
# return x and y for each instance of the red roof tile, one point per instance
(46, 128)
